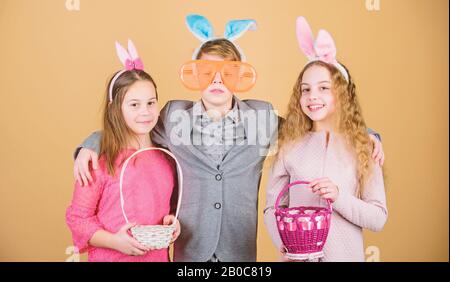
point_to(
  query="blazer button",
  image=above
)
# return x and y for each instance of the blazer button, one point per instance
(218, 177)
(217, 205)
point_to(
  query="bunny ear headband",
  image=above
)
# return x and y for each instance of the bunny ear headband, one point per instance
(130, 60)
(203, 30)
(322, 49)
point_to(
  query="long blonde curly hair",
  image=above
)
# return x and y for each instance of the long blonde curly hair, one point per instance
(349, 117)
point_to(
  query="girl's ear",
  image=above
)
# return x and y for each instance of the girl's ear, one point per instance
(132, 50)
(122, 54)
(200, 27)
(305, 38)
(236, 28)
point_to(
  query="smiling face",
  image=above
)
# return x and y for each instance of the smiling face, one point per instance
(317, 99)
(140, 107)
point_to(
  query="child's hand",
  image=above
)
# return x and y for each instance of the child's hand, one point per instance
(126, 244)
(325, 188)
(378, 153)
(168, 220)
(283, 254)
(81, 166)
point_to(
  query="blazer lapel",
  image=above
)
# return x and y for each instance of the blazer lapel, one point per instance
(249, 133)
(193, 149)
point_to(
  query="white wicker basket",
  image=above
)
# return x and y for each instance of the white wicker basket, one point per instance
(153, 236)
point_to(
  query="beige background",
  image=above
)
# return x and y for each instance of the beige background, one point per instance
(54, 64)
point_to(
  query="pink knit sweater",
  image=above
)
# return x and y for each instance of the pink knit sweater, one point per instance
(312, 158)
(147, 189)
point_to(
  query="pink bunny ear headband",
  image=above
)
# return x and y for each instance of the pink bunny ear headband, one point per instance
(130, 60)
(322, 49)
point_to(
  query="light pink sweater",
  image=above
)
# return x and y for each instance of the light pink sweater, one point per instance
(311, 158)
(147, 189)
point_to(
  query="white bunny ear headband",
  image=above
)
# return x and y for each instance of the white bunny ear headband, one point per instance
(130, 60)
(203, 30)
(322, 49)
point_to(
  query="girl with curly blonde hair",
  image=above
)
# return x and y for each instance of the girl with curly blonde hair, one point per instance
(324, 141)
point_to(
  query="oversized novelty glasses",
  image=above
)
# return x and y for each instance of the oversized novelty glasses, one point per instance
(237, 76)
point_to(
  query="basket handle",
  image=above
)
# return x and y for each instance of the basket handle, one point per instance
(180, 178)
(288, 186)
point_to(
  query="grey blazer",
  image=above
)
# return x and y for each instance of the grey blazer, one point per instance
(218, 213)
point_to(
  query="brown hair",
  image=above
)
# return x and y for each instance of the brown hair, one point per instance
(220, 47)
(350, 120)
(116, 133)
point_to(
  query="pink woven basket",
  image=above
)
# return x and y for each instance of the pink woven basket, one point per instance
(303, 230)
